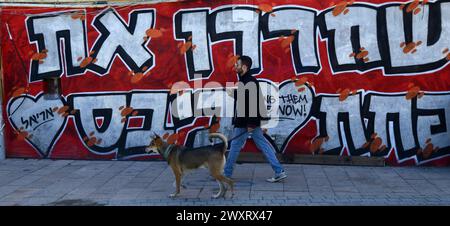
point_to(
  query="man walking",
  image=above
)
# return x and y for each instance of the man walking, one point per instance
(247, 121)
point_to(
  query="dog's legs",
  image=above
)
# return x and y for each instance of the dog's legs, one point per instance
(178, 175)
(216, 170)
(228, 181)
(221, 179)
(182, 183)
(222, 190)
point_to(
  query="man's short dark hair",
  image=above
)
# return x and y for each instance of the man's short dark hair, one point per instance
(247, 61)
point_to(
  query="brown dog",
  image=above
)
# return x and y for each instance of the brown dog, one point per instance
(181, 159)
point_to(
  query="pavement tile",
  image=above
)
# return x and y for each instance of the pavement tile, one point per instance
(135, 183)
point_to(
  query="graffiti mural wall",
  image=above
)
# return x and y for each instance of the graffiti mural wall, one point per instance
(359, 78)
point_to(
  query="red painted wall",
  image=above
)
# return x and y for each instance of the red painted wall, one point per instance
(364, 95)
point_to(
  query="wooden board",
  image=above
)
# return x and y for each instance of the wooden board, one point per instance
(315, 159)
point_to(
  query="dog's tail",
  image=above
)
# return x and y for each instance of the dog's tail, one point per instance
(222, 137)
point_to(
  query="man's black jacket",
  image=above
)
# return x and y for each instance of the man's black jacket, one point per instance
(252, 103)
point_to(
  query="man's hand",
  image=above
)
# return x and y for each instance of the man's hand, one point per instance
(230, 91)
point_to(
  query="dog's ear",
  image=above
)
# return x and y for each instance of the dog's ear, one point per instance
(156, 135)
(159, 142)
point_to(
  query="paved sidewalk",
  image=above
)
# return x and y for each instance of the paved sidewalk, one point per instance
(75, 182)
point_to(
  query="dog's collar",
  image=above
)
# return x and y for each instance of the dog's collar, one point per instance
(167, 151)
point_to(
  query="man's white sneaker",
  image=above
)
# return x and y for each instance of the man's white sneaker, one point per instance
(277, 178)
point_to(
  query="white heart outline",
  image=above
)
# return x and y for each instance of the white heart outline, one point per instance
(59, 132)
(308, 118)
